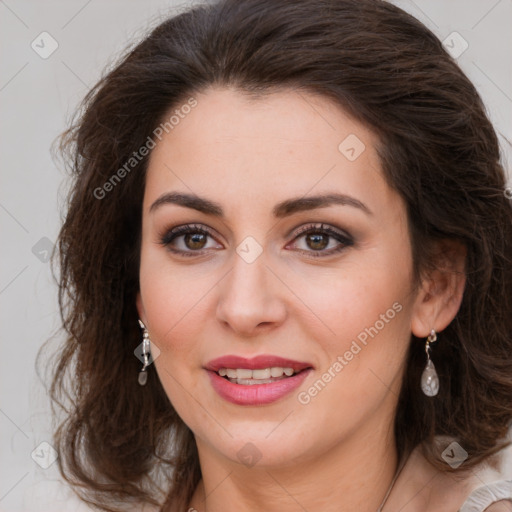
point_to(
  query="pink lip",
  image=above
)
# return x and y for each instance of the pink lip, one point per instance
(257, 394)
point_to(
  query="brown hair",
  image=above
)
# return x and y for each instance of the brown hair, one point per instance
(119, 441)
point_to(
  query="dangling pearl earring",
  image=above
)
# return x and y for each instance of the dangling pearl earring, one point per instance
(143, 376)
(429, 378)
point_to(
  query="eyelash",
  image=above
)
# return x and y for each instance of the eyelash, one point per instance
(345, 240)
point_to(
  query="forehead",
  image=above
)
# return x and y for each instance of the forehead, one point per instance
(286, 143)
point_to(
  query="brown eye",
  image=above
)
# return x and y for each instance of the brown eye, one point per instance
(195, 241)
(317, 238)
(317, 241)
(188, 240)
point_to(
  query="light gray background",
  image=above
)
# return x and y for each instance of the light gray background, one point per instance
(37, 97)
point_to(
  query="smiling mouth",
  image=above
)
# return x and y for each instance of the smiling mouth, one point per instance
(256, 381)
(247, 377)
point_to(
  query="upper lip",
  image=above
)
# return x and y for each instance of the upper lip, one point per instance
(255, 363)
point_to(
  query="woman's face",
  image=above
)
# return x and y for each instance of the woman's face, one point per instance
(267, 269)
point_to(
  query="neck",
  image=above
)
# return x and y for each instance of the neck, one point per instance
(354, 475)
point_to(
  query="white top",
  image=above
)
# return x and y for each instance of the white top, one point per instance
(486, 494)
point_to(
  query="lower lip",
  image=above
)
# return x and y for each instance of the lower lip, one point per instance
(256, 394)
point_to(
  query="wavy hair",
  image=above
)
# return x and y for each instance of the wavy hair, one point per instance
(120, 443)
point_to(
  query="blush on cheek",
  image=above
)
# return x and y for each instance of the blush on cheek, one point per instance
(371, 337)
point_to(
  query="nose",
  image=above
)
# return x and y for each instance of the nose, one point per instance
(250, 298)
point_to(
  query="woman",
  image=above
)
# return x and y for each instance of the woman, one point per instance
(285, 270)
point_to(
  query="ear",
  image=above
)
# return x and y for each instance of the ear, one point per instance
(140, 308)
(441, 290)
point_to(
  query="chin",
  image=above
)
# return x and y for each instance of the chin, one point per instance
(267, 444)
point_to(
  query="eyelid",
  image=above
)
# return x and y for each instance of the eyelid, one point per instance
(184, 229)
(320, 226)
(343, 238)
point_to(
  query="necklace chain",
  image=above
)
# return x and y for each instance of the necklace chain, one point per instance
(399, 469)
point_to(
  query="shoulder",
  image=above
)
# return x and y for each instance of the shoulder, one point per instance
(491, 497)
(423, 488)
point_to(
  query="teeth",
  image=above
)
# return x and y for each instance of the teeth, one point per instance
(276, 372)
(263, 374)
(259, 374)
(250, 382)
(242, 374)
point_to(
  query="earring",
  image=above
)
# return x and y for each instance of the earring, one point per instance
(143, 376)
(429, 378)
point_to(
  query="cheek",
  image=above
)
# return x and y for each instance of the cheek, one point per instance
(172, 305)
(364, 330)
(347, 301)
(173, 301)
(172, 292)
(362, 363)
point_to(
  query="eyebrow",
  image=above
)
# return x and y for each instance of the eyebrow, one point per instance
(280, 210)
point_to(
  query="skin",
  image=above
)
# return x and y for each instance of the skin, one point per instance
(248, 155)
